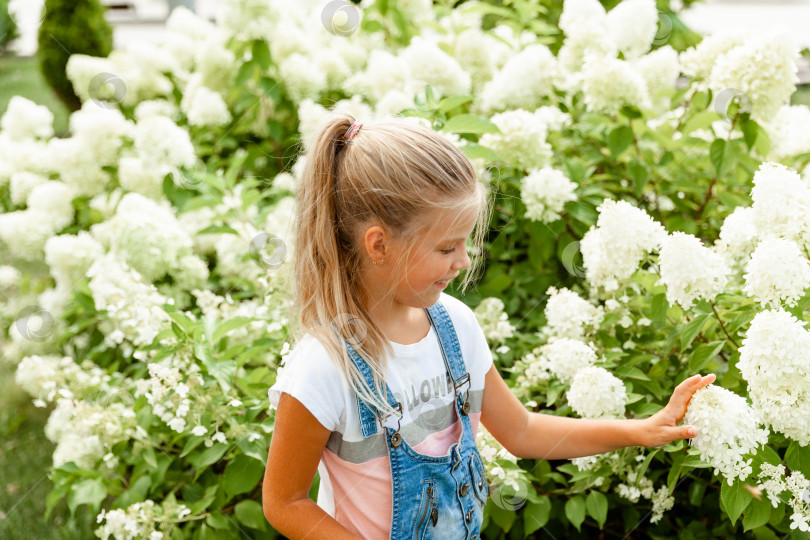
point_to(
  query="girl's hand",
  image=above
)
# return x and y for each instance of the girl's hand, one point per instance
(662, 427)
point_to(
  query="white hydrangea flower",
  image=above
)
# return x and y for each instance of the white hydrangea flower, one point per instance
(777, 272)
(522, 139)
(523, 81)
(738, 235)
(55, 200)
(690, 270)
(789, 132)
(203, 106)
(596, 393)
(302, 77)
(660, 70)
(727, 430)
(84, 432)
(25, 119)
(21, 184)
(133, 306)
(147, 236)
(25, 232)
(775, 362)
(661, 502)
(584, 23)
(632, 25)
(774, 482)
(698, 61)
(567, 356)
(544, 192)
(781, 203)
(613, 249)
(610, 83)
(70, 256)
(384, 73)
(429, 64)
(764, 69)
(161, 142)
(570, 315)
(493, 320)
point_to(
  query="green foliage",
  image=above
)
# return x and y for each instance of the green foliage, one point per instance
(8, 26)
(70, 27)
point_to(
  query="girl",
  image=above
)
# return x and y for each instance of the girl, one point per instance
(384, 392)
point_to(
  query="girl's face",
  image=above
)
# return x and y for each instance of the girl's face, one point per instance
(438, 257)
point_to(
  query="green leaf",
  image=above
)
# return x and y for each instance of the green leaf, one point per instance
(217, 520)
(699, 121)
(470, 123)
(757, 514)
(659, 307)
(251, 514)
(261, 53)
(90, 492)
(639, 173)
(597, 505)
(223, 371)
(575, 510)
(750, 131)
(735, 499)
(241, 475)
(703, 353)
(631, 372)
(692, 329)
(199, 505)
(619, 139)
(208, 456)
(229, 325)
(797, 458)
(451, 102)
(536, 514)
(718, 155)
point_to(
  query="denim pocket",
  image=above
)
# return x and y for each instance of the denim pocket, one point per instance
(479, 478)
(427, 510)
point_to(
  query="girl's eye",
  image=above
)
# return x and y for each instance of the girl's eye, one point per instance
(448, 251)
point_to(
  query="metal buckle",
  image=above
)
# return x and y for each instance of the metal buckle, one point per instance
(465, 378)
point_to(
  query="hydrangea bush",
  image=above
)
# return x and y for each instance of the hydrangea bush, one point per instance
(652, 220)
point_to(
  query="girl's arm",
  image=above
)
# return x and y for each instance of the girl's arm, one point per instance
(295, 450)
(531, 435)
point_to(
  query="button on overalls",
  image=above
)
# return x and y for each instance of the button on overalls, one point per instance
(436, 497)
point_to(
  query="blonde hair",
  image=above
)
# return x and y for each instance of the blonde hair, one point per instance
(391, 173)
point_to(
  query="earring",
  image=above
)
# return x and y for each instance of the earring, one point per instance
(375, 262)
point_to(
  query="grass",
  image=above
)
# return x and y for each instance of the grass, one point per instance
(21, 76)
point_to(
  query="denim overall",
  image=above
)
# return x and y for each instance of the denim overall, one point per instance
(436, 497)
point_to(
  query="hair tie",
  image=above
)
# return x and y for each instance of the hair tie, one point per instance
(352, 131)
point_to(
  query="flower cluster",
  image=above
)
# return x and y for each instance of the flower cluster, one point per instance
(777, 272)
(597, 393)
(569, 315)
(773, 481)
(613, 249)
(493, 320)
(690, 270)
(775, 362)
(134, 307)
(566, 356)
(85, 432)
(727, 430)
(544, 192)
(139, 520)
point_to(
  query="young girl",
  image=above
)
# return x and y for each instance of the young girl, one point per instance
(384, 391)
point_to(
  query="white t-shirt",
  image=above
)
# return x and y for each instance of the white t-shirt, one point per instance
(355, 486)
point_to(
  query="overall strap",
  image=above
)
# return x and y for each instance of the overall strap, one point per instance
(448, 342)
(451, 354)
(368, 425)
